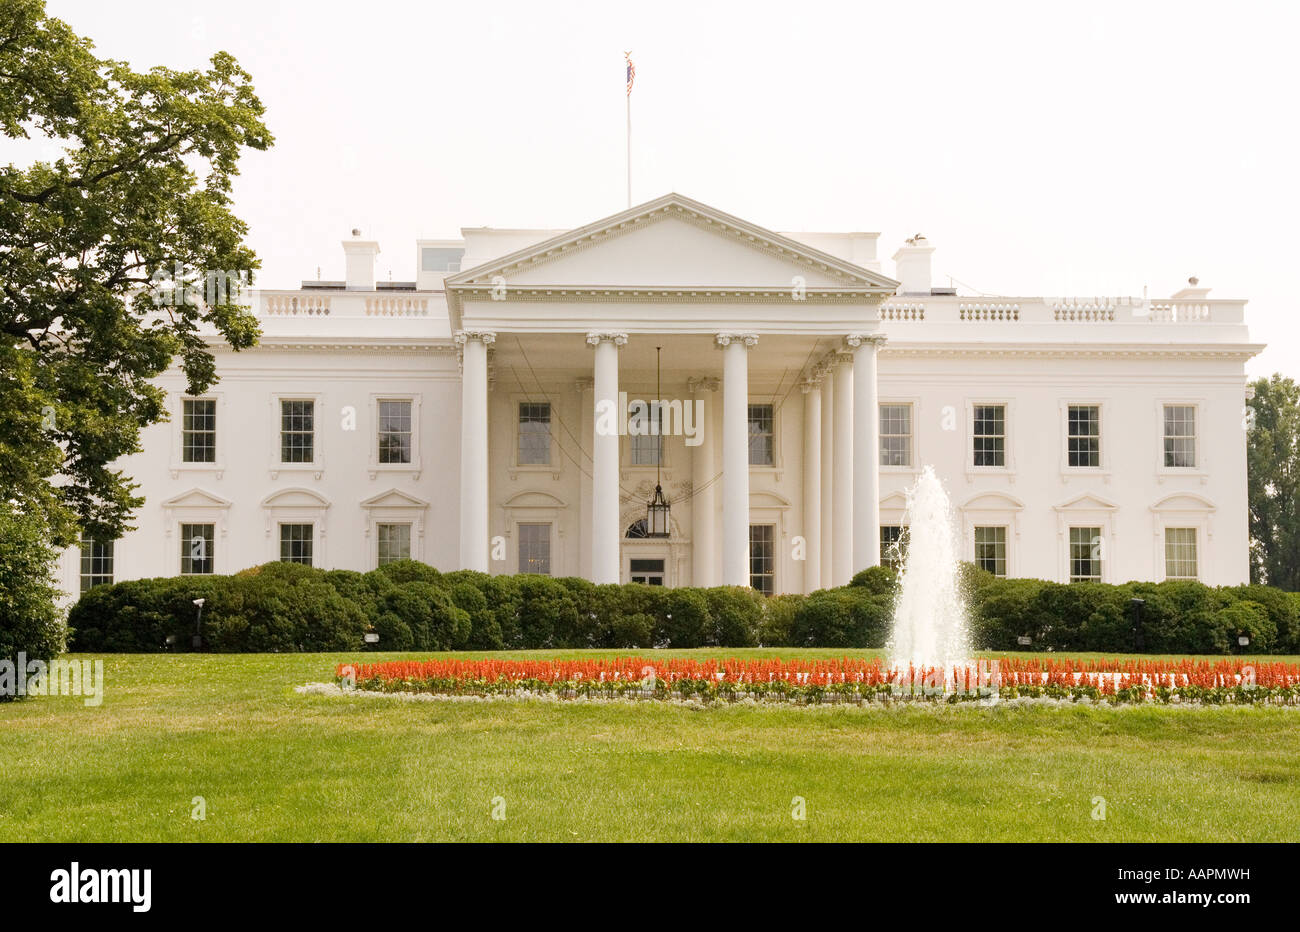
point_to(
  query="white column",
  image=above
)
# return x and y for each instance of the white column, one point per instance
(842, 517)
(735, 457)
(704, 546)
(828, 472)
(812, 484)
(604, 458)
(866, 451)
(586, 411)
(474, 448)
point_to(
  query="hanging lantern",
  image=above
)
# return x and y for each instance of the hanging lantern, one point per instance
(656, 516)
(656, 519)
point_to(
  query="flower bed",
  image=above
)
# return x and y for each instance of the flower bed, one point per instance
(846, 679)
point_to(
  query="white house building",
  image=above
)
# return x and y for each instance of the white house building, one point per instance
(478, 417)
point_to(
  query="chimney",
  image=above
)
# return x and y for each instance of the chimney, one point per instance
(912, 265)
(360, 254)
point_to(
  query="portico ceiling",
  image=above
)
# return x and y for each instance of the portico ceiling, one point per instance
(685, 356)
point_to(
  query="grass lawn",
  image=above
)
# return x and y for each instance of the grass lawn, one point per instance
(274, 765)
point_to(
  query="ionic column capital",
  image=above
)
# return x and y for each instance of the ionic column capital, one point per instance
(708, 383)
(486, 337)
(855, 340)
(618, 339)
(750, 340)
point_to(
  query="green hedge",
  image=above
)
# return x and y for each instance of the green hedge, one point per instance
(412, 606)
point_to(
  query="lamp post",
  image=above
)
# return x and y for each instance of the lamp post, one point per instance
(197, 640)
(1139, 641)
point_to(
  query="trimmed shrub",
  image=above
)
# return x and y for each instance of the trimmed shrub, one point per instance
(686, 621)
(29, 622)
(735, 615)
(778, 620)
(289, 607)
(878, 580)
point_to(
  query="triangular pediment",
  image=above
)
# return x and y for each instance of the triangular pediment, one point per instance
(394, 498)
(671, 243)
(1087, 502)
(197, 498)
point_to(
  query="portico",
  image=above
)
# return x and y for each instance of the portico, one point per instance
(559, 340)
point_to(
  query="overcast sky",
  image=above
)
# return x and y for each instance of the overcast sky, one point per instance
(1088, 149)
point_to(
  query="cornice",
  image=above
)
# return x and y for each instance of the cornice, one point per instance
(674, 294)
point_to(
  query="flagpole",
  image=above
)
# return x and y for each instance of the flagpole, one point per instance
(629, 151)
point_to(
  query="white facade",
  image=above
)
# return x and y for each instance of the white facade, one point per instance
(824, 387)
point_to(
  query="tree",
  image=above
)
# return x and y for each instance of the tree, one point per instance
(102, 252)
(1273, 463)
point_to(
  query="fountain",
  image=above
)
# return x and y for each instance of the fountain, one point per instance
(929, 613)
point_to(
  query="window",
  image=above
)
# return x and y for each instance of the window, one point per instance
(534, 433)
(535, 548)
(990, 435)
(893, 545)
(1180, 553)
(434, 259)
(762, 555)
(198, 549)
(394, 541)
(199, 430)
(96, 563)
(895, 435)
(297, 431)
(296, 543)
(1180, 436)
(647, 572)
(1084, 439)
(648, 449)
(394, 431)
(991, 549)
(1085, 554)
(761, 446)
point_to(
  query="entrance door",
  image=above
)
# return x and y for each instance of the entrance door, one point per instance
(649, 572)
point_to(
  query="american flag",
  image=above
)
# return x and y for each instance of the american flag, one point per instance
(631, 72)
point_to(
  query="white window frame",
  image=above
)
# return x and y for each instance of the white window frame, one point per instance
(1077, 514)
(1198, 471)
(1103, 447)
(992, 508)
(410, 541)
(296, 505)
(317, 466)
(1008, 468)
(914, 451)
(1196, 545)
(553, 466)
(178, 464)
(215, 511)
(395, 506)
(414, 466)
(777, 464)
(1189, 510)
(550, 544)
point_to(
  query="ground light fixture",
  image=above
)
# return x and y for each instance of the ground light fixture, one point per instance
(197, 640)
(657, 512)
(1139, 639)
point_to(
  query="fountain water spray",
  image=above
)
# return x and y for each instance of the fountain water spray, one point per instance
(929, 614)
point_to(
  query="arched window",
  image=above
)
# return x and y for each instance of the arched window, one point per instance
(638, 529)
